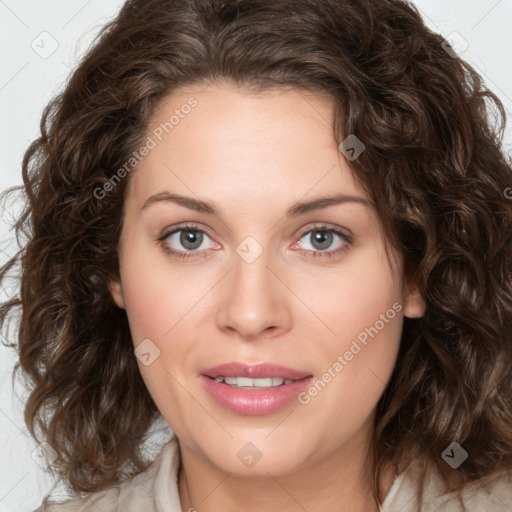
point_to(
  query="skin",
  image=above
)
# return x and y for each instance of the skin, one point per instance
(254, 155)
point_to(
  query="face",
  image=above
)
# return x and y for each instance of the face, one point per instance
(258, 281)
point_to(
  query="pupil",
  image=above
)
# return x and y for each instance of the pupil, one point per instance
(190, 239)
(324, 238)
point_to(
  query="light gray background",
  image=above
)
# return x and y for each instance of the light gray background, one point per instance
(30, 75)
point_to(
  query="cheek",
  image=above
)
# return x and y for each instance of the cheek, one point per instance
(157, 304)
(363, 311)
(353, 296)
(157, 297)
(145, 314)
(162, 305)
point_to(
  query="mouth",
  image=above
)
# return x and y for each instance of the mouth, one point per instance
(248, 383)
(260, 375)
(254, 390)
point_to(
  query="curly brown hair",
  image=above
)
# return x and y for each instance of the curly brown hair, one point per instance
(433, 166)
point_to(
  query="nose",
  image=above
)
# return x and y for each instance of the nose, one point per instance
(254, 301)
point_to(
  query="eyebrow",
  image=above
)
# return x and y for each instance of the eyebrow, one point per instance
(297, 209)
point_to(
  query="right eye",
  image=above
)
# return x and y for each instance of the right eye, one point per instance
(190, 238)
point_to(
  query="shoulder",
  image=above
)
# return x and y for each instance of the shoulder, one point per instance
(135, 494)
(422, 488)
(492, 493)
(106, 501)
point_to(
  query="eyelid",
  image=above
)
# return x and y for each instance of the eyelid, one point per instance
(326, 226)
(192, 226)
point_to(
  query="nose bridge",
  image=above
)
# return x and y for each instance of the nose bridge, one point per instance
(253, 301)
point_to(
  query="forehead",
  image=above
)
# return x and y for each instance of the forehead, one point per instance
(227, 143)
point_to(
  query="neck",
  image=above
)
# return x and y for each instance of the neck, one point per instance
(335, 482)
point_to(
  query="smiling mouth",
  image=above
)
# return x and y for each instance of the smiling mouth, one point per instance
(248, 383)
(260, 390)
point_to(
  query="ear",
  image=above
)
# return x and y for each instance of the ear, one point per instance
(116, 291)
(414, 304)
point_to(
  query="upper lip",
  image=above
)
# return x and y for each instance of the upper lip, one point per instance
(258, 371)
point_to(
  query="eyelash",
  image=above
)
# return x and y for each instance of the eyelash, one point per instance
(310, 254)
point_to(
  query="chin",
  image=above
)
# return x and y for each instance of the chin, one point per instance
(246, 458)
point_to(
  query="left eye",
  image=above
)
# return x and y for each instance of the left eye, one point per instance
(322, 239)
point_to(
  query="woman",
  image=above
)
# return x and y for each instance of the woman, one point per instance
(284, 228)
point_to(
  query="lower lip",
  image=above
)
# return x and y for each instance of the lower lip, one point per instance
(254, 401)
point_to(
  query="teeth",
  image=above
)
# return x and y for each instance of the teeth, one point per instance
(245, 382)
